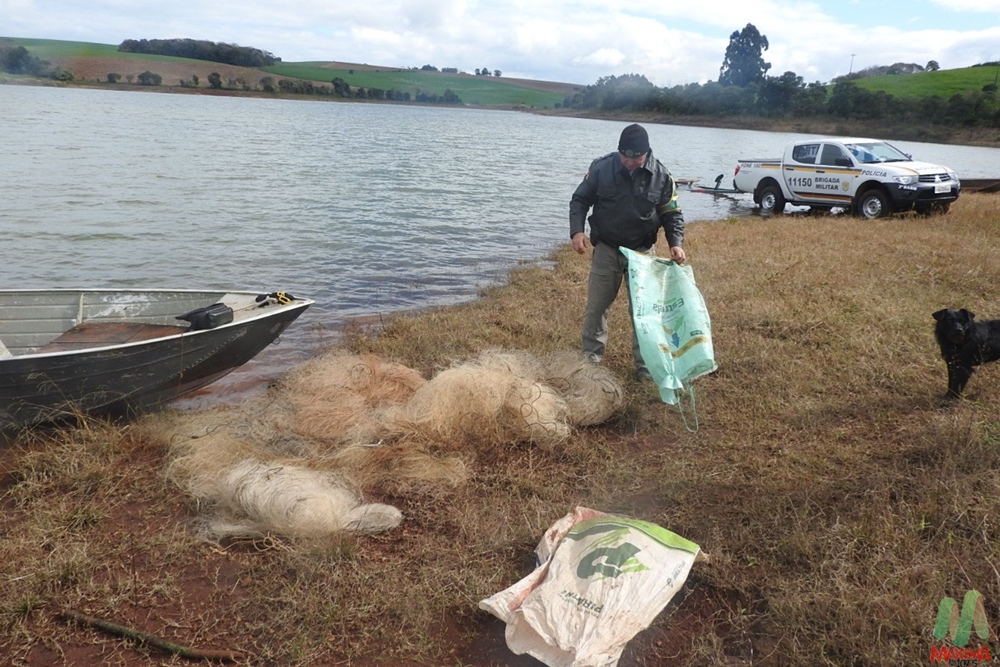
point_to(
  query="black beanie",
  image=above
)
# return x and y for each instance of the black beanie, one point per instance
(634, 138)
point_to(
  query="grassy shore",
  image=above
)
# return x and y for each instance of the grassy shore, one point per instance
(838, 496)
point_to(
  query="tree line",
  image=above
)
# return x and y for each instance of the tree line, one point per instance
(745, 89)
(454, 70)
(268, 84)
(228, 54)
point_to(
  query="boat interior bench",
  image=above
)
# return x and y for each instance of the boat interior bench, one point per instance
(97, 334)
(43, 321)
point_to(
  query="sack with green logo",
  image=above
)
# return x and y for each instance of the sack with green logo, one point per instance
(671, 322)
(600, 580)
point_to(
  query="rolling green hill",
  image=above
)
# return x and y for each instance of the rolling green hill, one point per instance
(58, 51)
(92, 62)
(943, 83)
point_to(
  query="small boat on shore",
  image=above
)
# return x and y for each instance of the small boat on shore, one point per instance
(68, 352)
(692, 184)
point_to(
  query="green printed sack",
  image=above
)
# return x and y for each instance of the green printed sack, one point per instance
(671, 322)
(601, 579)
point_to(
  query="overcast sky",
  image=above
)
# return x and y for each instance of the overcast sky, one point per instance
(573, 41)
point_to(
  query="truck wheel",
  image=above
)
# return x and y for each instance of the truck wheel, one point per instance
(874, 204)
(771, 199)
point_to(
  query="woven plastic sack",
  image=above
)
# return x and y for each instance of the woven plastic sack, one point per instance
(601, 579)
(671, 322)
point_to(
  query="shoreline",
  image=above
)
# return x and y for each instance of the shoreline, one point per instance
(825, 467)
(982, 137)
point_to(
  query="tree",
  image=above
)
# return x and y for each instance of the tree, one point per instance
(497, 73)
(777, 93)
(811, 101)
(932, 66)
(743, 64)
(215, 80)
(114, 77)
(17, 60)
(620, 92)
(148, 78)
(340, 87)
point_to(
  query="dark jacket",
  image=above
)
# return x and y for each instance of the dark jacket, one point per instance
(628, 210)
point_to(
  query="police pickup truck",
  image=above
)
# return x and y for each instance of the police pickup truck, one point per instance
(867, 177)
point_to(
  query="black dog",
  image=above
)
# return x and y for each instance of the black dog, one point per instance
(965, 344)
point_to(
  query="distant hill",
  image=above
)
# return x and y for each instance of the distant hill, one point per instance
(942, 83)
(91, 63)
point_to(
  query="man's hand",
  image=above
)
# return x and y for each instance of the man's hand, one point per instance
(677, 254)
(580, 243)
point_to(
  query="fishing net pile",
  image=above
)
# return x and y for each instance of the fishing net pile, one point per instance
(295, 462)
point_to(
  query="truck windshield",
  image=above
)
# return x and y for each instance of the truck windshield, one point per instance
(876, 151)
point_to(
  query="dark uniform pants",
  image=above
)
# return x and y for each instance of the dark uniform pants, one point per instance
(607, 269)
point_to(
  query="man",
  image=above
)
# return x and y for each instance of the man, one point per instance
(632, 195)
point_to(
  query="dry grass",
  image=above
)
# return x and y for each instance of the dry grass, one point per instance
(838, 496)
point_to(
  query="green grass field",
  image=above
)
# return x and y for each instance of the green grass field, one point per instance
(47, 49)
(55, 50)
(479, 90)
(943, 83)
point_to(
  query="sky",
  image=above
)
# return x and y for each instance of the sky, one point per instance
(572, 41)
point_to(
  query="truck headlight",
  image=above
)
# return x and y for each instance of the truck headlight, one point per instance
(905, 180)
(952, 175)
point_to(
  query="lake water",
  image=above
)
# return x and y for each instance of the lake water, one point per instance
(368, 208)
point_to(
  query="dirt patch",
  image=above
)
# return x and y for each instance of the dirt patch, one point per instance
(89, 68)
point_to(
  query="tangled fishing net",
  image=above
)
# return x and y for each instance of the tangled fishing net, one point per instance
(294, 462)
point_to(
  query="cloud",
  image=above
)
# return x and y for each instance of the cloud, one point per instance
(980, 6)
(575, 42)
(602, 58)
